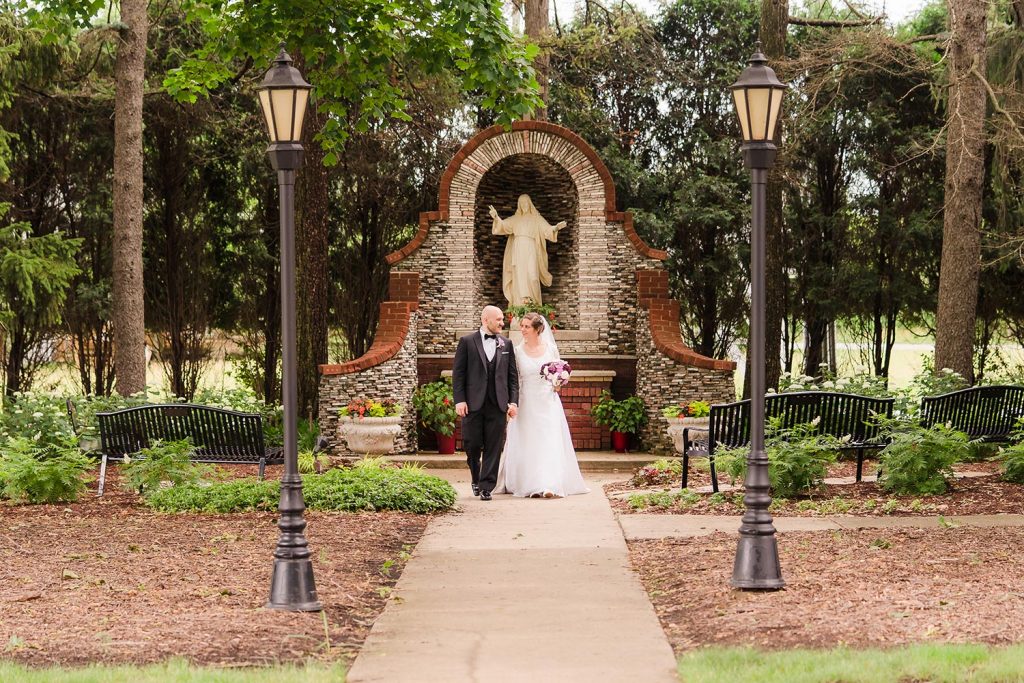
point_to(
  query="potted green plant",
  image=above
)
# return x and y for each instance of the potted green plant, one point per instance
(623, 417)
(683, 415)
(367, 425)
(435, 405)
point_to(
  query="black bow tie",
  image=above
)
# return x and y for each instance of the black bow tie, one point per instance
(491, 336)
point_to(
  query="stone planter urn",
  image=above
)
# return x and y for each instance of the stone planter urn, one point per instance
(676, 425)
(370, 435)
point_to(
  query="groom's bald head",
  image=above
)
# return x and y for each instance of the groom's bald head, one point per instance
(492, 319)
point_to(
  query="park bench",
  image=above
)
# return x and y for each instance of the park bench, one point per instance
(219, 435)
(986, 413)
(841, 415)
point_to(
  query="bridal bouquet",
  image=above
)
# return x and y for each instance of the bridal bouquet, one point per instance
(556, 372)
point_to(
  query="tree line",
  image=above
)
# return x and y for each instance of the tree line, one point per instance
(900, 162)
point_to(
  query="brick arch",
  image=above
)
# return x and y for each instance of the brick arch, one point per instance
(562, 145)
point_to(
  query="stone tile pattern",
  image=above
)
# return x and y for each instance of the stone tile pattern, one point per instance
(668, 371)
(387, 370)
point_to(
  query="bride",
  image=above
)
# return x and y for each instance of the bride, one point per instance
(539, 460)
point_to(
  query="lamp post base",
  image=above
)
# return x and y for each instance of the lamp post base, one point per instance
(757, 564)
(292, 587)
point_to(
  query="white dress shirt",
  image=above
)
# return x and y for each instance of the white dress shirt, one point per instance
(490, 345)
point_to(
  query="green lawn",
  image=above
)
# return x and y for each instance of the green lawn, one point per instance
(938, 663)
(171, 672)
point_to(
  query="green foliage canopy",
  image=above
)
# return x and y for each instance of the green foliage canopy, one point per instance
(362, 55)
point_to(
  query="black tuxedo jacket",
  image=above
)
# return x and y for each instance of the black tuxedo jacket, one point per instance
(469, 376)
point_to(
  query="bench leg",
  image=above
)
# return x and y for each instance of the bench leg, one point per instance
(103, 474)
(714, 474)
(263, 466)
(686, 466)
(860, 463)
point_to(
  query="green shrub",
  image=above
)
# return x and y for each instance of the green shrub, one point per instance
(798, 458)
(42, 472)
(663, 471)
(862, 384)
(310, 462)
(35, 415)
(1012, 463)
(919, 460)
(683, 499)
(368, 486)
(163, 461)
(626, 416)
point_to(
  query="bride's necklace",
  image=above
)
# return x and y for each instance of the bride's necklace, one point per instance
(531, 349)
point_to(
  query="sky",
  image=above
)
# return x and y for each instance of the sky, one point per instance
(896, 10)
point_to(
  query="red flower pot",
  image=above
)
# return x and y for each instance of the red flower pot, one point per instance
(445, 444)
(619, 441)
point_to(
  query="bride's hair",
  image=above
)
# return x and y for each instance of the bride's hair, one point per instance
(536, 321)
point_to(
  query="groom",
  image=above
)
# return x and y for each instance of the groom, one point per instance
(486, 384)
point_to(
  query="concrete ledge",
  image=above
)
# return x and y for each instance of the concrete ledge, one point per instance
(590, 461)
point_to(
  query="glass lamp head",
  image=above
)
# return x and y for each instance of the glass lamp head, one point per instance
(758, 98)
(283, 97)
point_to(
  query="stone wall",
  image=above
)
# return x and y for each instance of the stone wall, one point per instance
(667, 371)
(386, 371)
(593, 263)
(394, 378)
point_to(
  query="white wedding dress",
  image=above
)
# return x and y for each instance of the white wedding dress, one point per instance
(538, 457)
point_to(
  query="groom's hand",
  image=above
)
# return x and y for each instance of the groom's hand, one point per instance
(461, 409)
(513, 410)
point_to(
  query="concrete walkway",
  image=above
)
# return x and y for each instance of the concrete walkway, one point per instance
(519, 590)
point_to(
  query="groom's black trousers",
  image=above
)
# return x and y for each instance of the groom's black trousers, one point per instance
(483, 437)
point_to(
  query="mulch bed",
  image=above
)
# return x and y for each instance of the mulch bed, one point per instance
(106, 580)
(855, 588)
(967, 496)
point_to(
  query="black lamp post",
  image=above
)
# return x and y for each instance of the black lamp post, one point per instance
(758, 94)
(283, 97)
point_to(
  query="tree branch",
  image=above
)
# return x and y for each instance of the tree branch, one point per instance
(836, 23)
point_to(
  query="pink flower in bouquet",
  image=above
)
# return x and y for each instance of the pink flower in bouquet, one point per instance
(557, 373)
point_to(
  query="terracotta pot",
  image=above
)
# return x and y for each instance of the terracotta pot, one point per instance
(619, 441)
(445, 444)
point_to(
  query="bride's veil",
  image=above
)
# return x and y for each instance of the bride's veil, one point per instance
(548, 336)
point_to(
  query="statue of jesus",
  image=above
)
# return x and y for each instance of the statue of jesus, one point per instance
(525, 267)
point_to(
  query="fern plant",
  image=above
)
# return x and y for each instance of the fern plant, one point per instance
(919, 460)
(163, 461)
(798, 458)
(42, 472)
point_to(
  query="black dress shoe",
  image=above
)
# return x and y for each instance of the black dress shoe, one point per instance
(476, 489)
(485, 495)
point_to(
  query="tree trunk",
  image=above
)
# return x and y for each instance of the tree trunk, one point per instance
(128, 308)
(774, 23)
(961, 227)
(537, 30)
(271, 317)
(311, 204)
